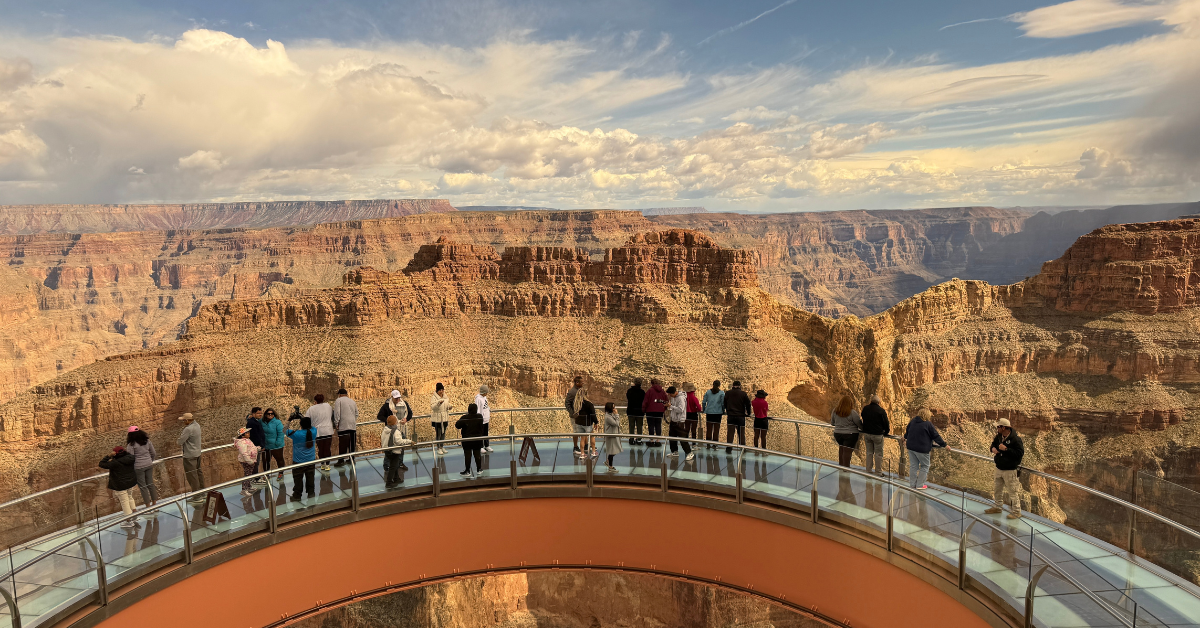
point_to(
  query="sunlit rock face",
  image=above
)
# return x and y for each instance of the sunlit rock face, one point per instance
(562, 599)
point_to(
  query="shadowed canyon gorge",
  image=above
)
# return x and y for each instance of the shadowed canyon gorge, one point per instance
(107, 330)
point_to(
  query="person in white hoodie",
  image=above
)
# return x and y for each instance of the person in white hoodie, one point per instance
(481, 402)
(677, 415)
(439, 414)
(321, 415)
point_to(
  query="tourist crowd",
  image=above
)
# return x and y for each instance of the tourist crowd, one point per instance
(312, 434)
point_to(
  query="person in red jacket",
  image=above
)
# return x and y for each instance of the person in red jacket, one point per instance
(692, 424)
(655, 405)
(761, 422)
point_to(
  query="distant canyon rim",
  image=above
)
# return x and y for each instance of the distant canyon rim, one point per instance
(150, 311)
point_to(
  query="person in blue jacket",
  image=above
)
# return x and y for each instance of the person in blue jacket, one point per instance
(304, 449)
(919, 438)
(273, 438)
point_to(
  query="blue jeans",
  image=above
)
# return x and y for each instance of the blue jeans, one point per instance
(918, 468)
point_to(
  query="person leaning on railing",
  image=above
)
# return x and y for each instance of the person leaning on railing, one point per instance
(713, 406)
(761, 422)
(875, 427)
(1008, 449)
(737, 408)
(655, 406)
(919, 438)
(345, 419)
(121, 481)
(847, 425)
(191, 447)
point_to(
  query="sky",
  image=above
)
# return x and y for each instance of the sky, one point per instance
(757, 105)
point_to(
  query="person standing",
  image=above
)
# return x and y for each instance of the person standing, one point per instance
(191, 446)
(247, 455)
(321, 415)
(737, 408)
(304, 449)
(875, 426)
(761, 422)
(677, 405)
(274, 437)
(485, 411)
(713, 407)
(655, 406)
(847, 424)
(612, 431)
(633, 409)
(392, 440)
(121, 480)
(471, 425)
(573, 402)
(138, 443)
(439, 415)
(397, 407)
(692, 423)
(345, 417)
(919, 439)
(257, 436)
(1008, 450)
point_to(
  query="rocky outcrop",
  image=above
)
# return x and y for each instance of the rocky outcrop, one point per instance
(33, 219)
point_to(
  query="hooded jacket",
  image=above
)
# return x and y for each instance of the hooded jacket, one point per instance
(693, 404)
(737, 403)
(714, 402)
(678, 406)
(656, 400)
(1014, 451)
(439, 409)
(920, 436)
(633, 401)
(471, 426)
(120, 471)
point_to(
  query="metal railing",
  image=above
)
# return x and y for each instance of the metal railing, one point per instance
(99, 594)
(1134, 514)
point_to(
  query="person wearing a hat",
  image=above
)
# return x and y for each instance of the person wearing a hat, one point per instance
(121, 481)
(761, 422)
(247, 455)
(485, 411)
(138, 443)
(397, 407)
(691, 425)
(190, 445)
(439, 414)
(1008, 449)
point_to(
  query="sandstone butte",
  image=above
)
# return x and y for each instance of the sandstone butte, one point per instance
(70, 299)
(1105, 340)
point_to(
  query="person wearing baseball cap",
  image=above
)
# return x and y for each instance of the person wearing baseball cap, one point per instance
(190, 443)
(1007, 450)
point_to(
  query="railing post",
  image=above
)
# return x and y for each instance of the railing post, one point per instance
(188, 554)
(663, 481)
(78, 506)
(437, 481)
(272, 515)
(13, 613)
(962, 555)
(512, 459)
(798, 451)
(101, 578)
(738, 482)
(814, 496)
(1029, 590)
(354, 497)
(589, 470)
(1131, 545)
(891, 519)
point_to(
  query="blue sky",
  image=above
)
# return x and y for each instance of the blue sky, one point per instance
(759, 106)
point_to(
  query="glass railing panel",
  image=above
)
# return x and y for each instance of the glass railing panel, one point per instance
(710, 466)
(552, 455)
(776, 476)
(415, 463)
(998, 565)
(1058, 603)
(1078, 509)
(1168, 547)
(640, 459)
(57, 510)
(1169, 499)
(964, 473)
(928, 525)
(246, 512)
(58, 578)
(156, 537)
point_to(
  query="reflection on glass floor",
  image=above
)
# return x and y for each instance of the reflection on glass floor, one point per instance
(926, 523)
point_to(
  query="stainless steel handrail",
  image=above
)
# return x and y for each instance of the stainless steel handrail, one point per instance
(814, 509)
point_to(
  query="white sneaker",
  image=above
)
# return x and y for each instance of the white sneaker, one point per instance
(442, 450)
(691, 456)
(246, 493)
(673, 454)
(128, 524)
(489, 449)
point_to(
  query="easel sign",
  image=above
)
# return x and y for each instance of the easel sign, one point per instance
(215, 507)
(526, 446)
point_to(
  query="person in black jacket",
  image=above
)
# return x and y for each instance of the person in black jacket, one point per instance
(1008, 450)
(875, 426)
(122, 480)
(737, 408)
(633, 409)
(258, 436)
(471, 426)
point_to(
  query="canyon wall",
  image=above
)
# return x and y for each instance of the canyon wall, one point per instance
(32, 219)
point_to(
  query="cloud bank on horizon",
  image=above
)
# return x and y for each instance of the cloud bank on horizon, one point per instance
(1086, 101)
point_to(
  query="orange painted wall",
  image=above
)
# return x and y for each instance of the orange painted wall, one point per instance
(291, 577)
